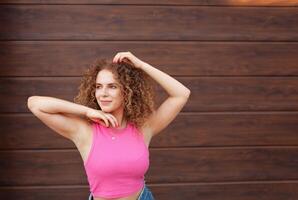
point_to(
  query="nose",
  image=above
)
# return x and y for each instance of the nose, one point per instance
(104, 92)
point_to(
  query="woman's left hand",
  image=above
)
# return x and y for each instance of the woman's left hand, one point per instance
(128, 58)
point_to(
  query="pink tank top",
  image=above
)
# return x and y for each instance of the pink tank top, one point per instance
(117, 162)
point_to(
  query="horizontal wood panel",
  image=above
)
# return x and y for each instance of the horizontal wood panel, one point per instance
(60, 58)
(229, 191)
(97, 22)
(208, 93)
(242, 94)
(163, 2)
(45, 193)
(25, 131)
(60, 167)
(207, 164)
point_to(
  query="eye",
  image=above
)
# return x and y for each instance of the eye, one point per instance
(114, 87)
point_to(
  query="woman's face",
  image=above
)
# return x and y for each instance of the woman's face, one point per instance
(108, 89)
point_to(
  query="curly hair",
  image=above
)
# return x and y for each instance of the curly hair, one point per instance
(136, 85)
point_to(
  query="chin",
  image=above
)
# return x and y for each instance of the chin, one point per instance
(108, 110)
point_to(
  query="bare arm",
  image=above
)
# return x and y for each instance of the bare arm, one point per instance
(54, 105)
(173, 87)
(178, 93)
(170, 108)
(64, 117)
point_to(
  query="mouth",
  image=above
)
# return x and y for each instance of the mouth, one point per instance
(105, 102)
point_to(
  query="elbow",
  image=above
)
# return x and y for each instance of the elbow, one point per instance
(187, 94)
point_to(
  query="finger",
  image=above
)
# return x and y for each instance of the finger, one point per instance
(103, 117)
(117, 124)
(111, 120)
(102, 123)
(127, 61)
(99, 121)
(120, 58)
(114, 59)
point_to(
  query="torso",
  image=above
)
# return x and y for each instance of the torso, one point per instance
(85, 145)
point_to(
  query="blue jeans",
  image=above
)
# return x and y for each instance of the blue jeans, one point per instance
(145, 194)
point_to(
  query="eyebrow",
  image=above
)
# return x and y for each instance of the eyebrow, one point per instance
(107, 84)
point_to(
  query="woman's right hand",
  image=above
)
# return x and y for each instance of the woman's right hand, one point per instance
(101, 117)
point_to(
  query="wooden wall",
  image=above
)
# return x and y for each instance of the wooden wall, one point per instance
(237, 137)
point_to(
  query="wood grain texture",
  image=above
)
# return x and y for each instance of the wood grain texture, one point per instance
(24, 131)
(71, 58)
(175, 165)
(214, 191)
(162, 2)
(97, 22)
(236, 138)
(208, 93)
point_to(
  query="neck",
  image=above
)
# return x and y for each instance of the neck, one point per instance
(118, 114)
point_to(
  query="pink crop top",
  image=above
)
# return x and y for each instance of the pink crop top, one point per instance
(117, 162)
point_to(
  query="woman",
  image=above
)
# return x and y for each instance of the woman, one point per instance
(113, 121)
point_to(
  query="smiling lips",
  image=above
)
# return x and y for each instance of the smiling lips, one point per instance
(105, 102)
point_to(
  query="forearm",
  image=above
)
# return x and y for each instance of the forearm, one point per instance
(55, 105)
(172, 86)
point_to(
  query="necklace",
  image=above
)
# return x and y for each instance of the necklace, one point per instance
(115, 131)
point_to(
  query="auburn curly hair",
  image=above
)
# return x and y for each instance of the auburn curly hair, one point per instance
(136, 85)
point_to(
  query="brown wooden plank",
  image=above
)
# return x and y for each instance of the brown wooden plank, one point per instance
(229, 191)
(45, 193)
(97, 22)
(60, 167)
(15, 91)
(242, 94)
(208, 93)
(43, 58)
(162, 2)
(41, 167)
(24, 131)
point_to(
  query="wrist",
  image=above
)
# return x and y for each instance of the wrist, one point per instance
(143, 65)
(87, 110)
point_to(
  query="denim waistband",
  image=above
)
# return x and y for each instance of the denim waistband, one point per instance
(145, 194)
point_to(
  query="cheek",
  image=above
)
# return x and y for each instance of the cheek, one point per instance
(119, 98)
(96, 95)
(117, 94)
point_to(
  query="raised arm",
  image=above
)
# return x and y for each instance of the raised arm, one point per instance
(169, 109)
(64, 117)
(178, 93)
(54, 105)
